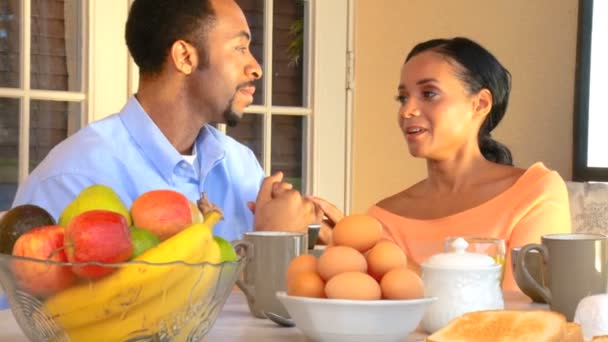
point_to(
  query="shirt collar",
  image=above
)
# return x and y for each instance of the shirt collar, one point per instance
(210, 149)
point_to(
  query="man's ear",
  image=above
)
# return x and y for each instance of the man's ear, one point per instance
(184, 57)
(483, 103)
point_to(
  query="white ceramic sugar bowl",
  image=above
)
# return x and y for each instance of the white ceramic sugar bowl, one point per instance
(462, 282)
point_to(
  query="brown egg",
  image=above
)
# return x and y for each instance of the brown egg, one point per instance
(306, 284)
(383, 257)
(299, 264)
(340, 259)
(401, 283)
(353, 285)
(360, 232)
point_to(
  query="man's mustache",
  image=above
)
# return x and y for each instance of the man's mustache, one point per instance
(246, 84)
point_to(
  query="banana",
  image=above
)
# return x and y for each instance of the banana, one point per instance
(132, 285)
(172, 313)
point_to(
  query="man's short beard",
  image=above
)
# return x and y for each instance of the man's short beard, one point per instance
(230, 117)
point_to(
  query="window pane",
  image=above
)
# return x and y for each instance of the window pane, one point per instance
(254, 12)
(9, 151)
(10, 41)
(250, 132)
(598, 71)
(287, 148)
(57, 58)
(50, 123)
(288, 52)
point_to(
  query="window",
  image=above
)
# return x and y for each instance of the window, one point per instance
(298, 121)
(58, 71)
(277, 126)
(591, 119)
(41, 83)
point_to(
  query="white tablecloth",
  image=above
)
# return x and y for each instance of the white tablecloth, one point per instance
(236, 324)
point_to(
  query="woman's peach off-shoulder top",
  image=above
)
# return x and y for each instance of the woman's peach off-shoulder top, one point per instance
(535, 205)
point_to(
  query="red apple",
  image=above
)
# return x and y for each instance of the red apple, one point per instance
(97, 235)
(37, 277)
(163, 212)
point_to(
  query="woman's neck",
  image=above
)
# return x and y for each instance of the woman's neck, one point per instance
(455, 175)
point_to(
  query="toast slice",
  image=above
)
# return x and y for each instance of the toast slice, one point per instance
(505, 326)
(574, 333)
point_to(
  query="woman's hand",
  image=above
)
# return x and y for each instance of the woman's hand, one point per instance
(331, 216)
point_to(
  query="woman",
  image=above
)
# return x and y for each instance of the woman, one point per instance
(452, 94)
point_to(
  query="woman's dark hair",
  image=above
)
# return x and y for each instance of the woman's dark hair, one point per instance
(478, 69)
(154, 25)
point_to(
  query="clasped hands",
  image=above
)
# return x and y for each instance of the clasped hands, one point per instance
(279, 207)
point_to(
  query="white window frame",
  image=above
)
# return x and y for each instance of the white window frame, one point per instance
(108, 87)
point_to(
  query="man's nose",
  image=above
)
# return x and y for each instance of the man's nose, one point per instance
(254, 70)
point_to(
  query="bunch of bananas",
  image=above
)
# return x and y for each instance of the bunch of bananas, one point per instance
(136, 298)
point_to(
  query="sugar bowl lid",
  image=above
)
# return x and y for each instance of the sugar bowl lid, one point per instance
(459, 257)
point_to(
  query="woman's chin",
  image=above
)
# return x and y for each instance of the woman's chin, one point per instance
(416, 152)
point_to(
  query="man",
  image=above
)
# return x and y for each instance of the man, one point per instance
(195, 68)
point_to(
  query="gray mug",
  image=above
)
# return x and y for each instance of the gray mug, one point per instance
(537, 269)
(265, 273)
(577, 266)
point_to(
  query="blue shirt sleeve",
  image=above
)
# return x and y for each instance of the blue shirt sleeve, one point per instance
(52, 194)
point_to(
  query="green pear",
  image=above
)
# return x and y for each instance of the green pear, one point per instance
(95, 197)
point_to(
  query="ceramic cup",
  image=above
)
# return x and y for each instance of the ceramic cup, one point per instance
(313, 235)
(537, 269)
(265, 273)
(577, 266)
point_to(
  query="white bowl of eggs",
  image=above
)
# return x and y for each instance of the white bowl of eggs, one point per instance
(343, 320)
(359, 289)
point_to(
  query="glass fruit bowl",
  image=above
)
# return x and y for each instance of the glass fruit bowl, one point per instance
(138, 301)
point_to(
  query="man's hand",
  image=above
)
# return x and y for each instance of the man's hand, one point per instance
(281, 208)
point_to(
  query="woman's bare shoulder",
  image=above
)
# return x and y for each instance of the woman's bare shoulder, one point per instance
(395, 203)
(504, 174)
(415, 202)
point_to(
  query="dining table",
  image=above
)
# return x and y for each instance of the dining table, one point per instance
(236, 324)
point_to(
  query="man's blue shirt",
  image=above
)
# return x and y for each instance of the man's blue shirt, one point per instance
(129, 153)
